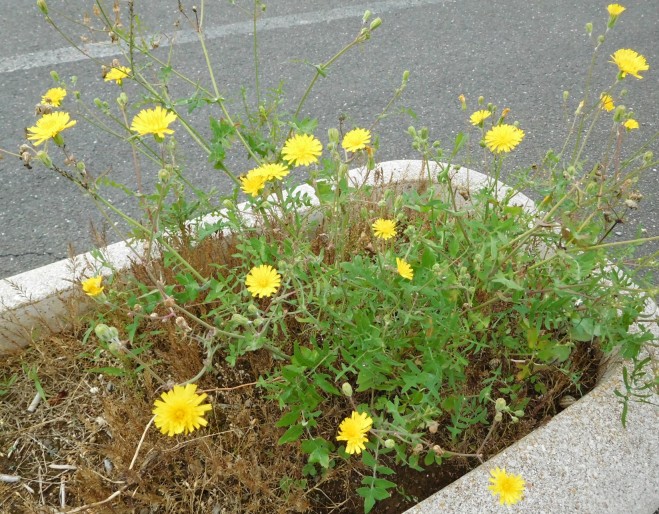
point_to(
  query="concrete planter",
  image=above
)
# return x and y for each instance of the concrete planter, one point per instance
(582, 461)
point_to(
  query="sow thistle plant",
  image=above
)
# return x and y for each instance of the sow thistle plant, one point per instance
(399, 326)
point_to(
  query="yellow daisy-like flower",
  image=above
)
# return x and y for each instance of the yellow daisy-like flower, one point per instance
(54, 96)
(606, 102)
(404, 269)
(253, 182)
(479, 117)
(509, 488)
(353, 431)
(629, 62)
(503, 138)
(302, 150)
(631, 124)
(615, 9)
(49, 126)
(384, 229)
(92, 286)
(272, 171)
(118, 74)
(263, 281)
(180, 411)
(356, 139)
(153, 121)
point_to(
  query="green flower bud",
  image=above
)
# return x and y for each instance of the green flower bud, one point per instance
(647, 157)
(164, 175)
(228, 203)
(519, 413)
(481, 100)
(240, 319)
(500, 404)
(346, 388)
(122, 99)
(514, 419)
(106, 334)
(406, 76)
(389, 443)
(343, 170)
(367, 16)
(589, 28)
(44, 158)
(411, 131)
(43, 6)
(252, 309)
(600, 39)
(333, 135)
(498, 417)
(619, 114)
(98, 103)
(376, 23)
(566, 95)
(54, 75)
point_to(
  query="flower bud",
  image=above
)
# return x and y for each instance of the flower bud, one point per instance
(343, 170)
(106, 333)
(43, 6)
(498, 417)
(619, 114)
(375, 23)
(228, 203)
(164, 175)
(98, 103)
(411, 131)
(389, 443)
(589, 28)
(647, 157)
(240, 319)
(54, 75)
(432, 428)
(406, 76)
(122, 99)
(519, 413)
(44, 158)
(481, 100)
(566, 95)
(514, 419)
(367, 16)
(500, 404)
(252, 309)
(600, 39)
(346, 388)
(579, 108)
(333, 135)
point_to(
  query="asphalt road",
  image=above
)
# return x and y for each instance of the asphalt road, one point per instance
(517, 53)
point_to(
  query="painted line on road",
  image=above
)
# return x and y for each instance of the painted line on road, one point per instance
(104, 50)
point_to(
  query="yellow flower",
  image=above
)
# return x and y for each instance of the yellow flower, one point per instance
(180, 411)
(510, 488)
(503, 138)
(384, 229)
(272, 171)
(629, 61)
(49, 126)
(54, 96)
(253, 182)
(404, 269)
(356, 139)
(463, 102)
(153, 121)
(353, 430)
(606, 102)
(631, 124)
(302, 150)
(615, 9)
(118, 74)
(479, 117)
(263, 281)
(92, 286)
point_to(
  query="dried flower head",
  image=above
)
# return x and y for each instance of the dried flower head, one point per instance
(180, 410)
(353, 431)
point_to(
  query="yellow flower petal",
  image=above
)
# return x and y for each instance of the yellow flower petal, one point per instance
(302, 150)
(263, 281)
(153, 121)
(180, 410)
(404, 269)
(503, 138)
(353, 430)
(509, 488)
(629, 62)
(49, 126)
(92, 286)
(356, 139)
(384, 229)
(54, 96)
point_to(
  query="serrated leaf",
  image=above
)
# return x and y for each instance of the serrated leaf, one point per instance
(292, 434)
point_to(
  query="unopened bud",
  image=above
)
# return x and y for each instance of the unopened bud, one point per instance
(619, 114)
(519, 413)
(252, 309)
(240, 319)
(346, 388)
(122, 99)
(389, 443)
(589, 28)
(647, 157)
(411, 131)
(43, 6)
(432, 428)
(406, 76)
(343, 170)
(333, 135)
(44, 158)
(228, 203)
(375, 23)
(566, 95)
(367, 16)
(500, 404)
(505, 112)
(579, 108)
(481, 100)
(600, 39)
(164, 175)
(514, 419)
(498, 417)
(106, 333)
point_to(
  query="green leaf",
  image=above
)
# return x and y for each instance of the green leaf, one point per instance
(510, 284)
(292, 434)
(289, 418)
(114, 372)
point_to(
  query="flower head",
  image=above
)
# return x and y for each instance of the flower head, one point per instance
(272, 171)
(54, 96)
(404, 269)
(356, 139)
(631, 124)
(384, 229)
(153, 121)
(180, 411)
(503, 138)
(479, 117)
(49, 126)
(92, 286)
(302, 150)
(629, 61)
(118, 74)
(510, 488)
(253, 182)
(606, 102)
(353, 430)
(615, 9)
(263, 281)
